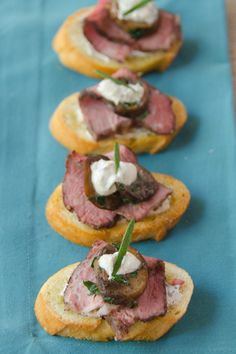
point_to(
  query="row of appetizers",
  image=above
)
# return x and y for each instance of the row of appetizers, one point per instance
(107, 199)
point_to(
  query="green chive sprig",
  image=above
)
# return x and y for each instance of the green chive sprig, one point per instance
(113, 79)
(120, 279)
(136, 7)
(123, 247)
(117, 156)
(92, 287)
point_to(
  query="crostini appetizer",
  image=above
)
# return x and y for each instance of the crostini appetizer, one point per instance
(115, 293)
(121, 108)
(119, 33)
(101, 193)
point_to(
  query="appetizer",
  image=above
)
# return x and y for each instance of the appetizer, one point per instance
(119, 33)
(115, 293)
(101, 193)
(121, 108)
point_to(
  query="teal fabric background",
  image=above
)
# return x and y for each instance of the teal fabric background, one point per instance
(32, 83)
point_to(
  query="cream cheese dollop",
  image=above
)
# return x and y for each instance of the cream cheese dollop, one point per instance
(104, 176)
(147, 14)
(132, 93)
(173, 294)
(129, 264)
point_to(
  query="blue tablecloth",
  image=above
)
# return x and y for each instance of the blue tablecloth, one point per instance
(32, 83)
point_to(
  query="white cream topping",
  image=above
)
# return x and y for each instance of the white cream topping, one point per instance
(129, 264)
(79, 115)
(63, 290)
(115, 93)
(82, 123)
(104, 176)
(139, 54)
(173, 294)
(147, 14)
(105, 309)
(163, 207)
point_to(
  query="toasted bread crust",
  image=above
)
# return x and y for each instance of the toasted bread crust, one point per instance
(49, 310)
(153, 226)
(66, 130)
(71, 53)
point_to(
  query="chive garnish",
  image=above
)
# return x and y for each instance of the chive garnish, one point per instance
(117, 156)
(116, 245)
(92, 287)
(136, 7)
(101, 200)
(137, 33)
(108, 299)
(123, 247)
(113, 79)
(134, 274)
(120, 279)
(143, 115)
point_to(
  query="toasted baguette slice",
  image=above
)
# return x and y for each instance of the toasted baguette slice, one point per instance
(154, 226)
(49, 310)
(76, 53)
(74, 135)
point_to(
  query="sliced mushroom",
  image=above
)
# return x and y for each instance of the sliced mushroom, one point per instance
(143, 188)
(122, 289)
(134, 110)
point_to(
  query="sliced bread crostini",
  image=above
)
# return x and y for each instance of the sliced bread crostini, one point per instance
(122, 108)
(77, 53)
(154, 225)
(61, 303)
